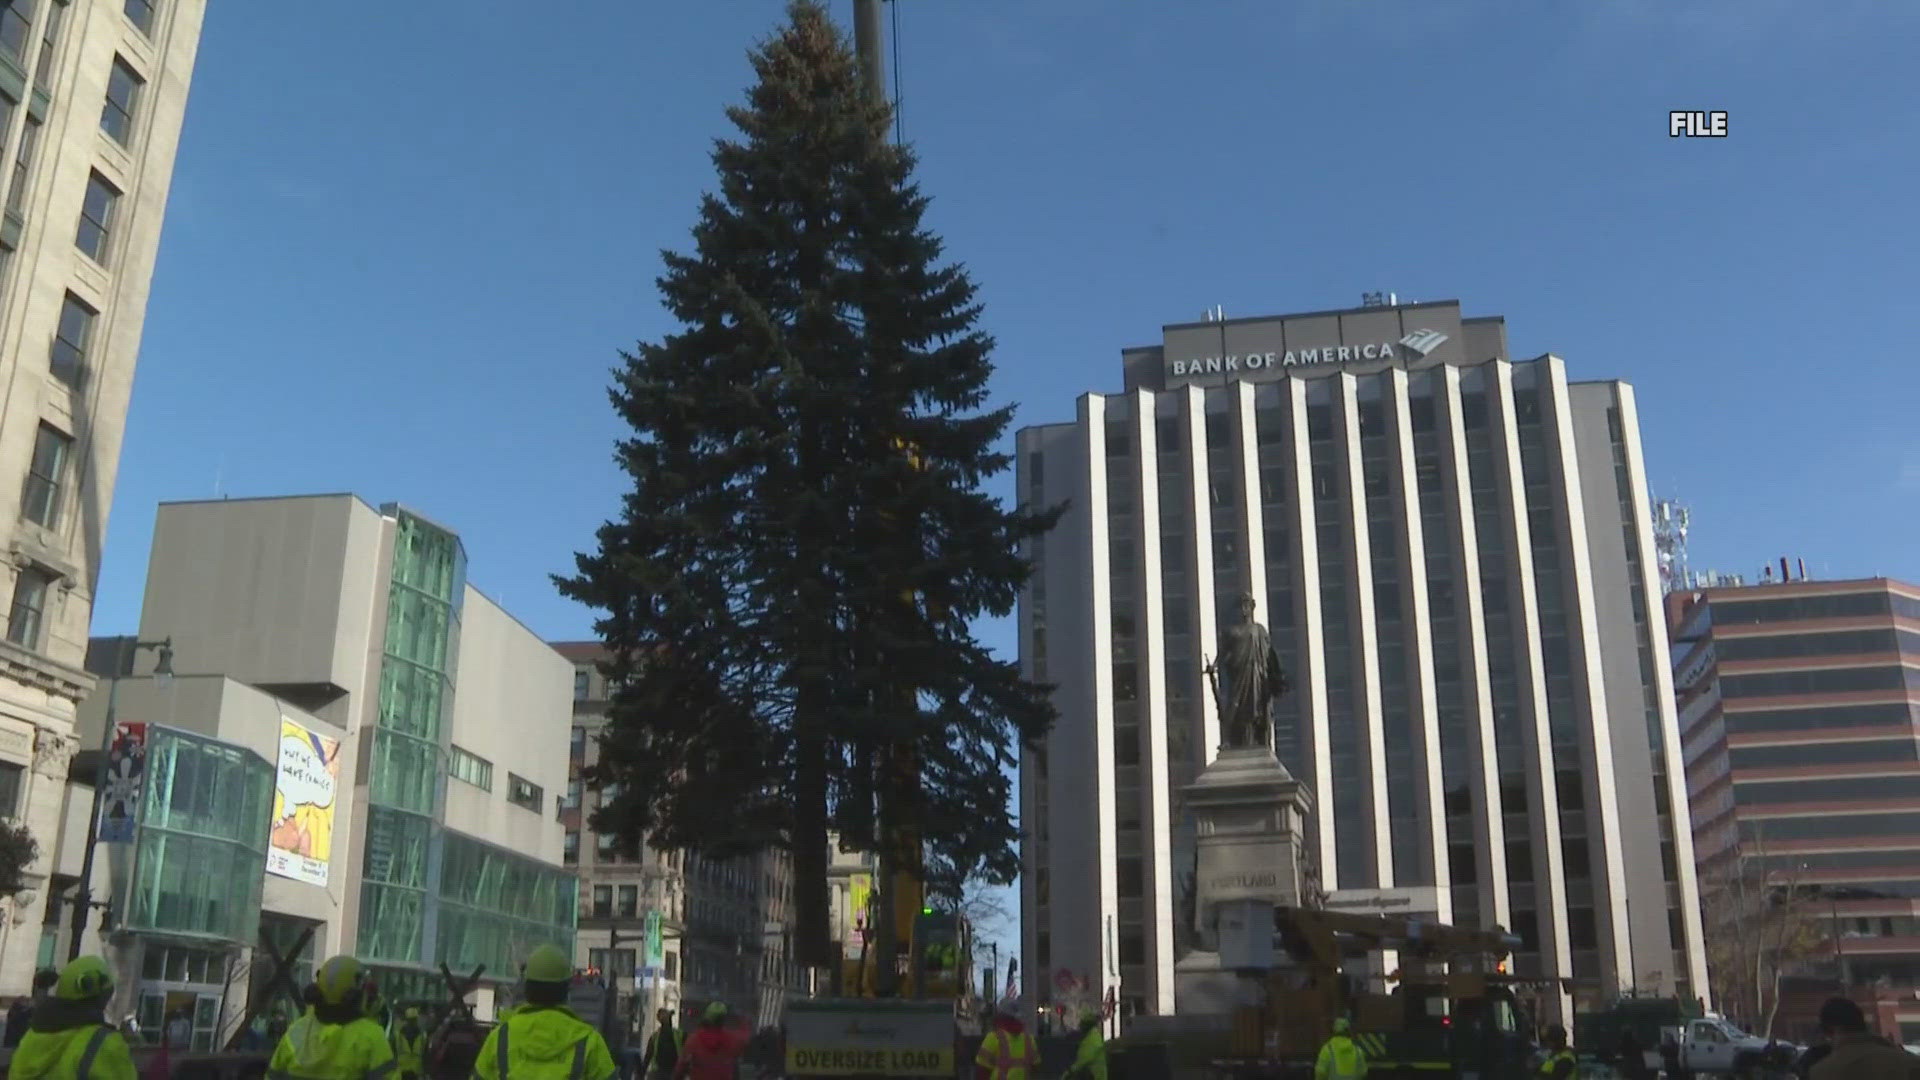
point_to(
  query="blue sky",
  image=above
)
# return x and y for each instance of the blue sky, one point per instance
(403, 246)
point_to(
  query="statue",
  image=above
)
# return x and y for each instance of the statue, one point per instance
(1251, 670)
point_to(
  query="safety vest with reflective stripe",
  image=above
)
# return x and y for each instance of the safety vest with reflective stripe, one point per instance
(314, 1050)
(1340, 1060)
(586, 1059)
(1555, 1061)
(1009, 1056)
(89, 1052)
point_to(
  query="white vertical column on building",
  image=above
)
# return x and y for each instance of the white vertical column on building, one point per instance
(1311, 680)
(1489, 825)
(1100, 960)
(1429, 792)
(1252, 525)
(1596, 730)
(1366, 635)
(1155, 765)
(1206, 630)
(1543, 816)
(1670, 753)
(1034, 857)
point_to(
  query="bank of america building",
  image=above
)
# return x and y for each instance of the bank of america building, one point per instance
(1454, 556)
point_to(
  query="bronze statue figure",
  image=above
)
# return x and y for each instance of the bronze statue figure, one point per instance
(1251, 672)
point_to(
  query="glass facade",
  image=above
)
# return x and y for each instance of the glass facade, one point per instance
(200, 849)
(429, 893)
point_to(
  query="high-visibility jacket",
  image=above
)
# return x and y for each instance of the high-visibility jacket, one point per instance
(1091, 1060)
(1008, 1055)
(87, 1052)
(409, 1054)
(1560, 1063)
(1340, 1060)
(314, 1050)
(544, 1043)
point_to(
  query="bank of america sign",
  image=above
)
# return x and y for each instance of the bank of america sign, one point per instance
(1420, 343)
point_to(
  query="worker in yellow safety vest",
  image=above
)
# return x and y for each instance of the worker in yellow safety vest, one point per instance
(1560, 1061)
(335, 1040)
(1008, 1052)
(1090, 1062)
(68, 1037)
(1340, 1059)
(409, 1046)
(542, 1039)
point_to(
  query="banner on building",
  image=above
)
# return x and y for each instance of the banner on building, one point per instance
(124, 783)
(301, 844)
(656, 948)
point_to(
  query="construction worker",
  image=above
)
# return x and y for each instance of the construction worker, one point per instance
(711, 1052)
(1008, 1052)
(334, 1040)
(1340, 1059)
(542, 1039)
(410, 1047)
(1560, 1063)
(1091, 1060)
(68, 1037)
(663, 1047)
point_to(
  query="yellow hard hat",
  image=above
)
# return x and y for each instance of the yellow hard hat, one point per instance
(413, 1013)
(717, 1011)
(339, 979)
(1341, 1026)
(549, 965)
(85, 979)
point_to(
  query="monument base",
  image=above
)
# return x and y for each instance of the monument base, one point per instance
(1203, 987)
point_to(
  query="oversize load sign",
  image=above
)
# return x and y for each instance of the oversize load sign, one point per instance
(842, 1061)
(826, 1038)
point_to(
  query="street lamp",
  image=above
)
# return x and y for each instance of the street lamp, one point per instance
(125, 651)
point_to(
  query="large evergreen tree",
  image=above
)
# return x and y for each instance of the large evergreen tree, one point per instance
(787, 588)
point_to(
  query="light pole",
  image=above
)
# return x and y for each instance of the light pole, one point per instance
(124, 652)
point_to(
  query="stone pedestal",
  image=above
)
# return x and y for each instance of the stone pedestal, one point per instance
(1249, 816)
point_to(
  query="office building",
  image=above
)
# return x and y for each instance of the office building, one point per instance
(1453, 553)
(725, 922)
(412, 740)
(92, 93)
(1800, 718)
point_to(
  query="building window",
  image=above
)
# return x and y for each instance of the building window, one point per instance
(471, 768)
(582, 683)
(524, 793)
(579, 741)
(25, 617)
(69, 359)
(49, 37)
(140, 13)
(23, 166)
(96, 217)
(123, 98)
(602, 901)
(40, 495)
(16, 26)
(629, 905)
(604, 844)
(10, 777)
(572, 798)
(570, 848)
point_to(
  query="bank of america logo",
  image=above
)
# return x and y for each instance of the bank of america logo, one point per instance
(1423, 341)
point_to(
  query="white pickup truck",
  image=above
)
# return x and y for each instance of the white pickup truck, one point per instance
(1715, 1047)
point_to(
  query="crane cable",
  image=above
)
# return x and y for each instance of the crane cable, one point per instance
(899, 127)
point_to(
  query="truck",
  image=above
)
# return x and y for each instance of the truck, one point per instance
(1422, 1021)
(916, 1034)
(1598, 1033)
(1712, 1045)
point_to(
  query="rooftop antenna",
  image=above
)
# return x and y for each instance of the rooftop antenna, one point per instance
(1670, 523)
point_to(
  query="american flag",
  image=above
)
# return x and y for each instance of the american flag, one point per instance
(1013, 977)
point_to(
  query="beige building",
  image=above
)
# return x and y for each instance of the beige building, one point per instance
(725, 923)
(356, 742)
(92, 93)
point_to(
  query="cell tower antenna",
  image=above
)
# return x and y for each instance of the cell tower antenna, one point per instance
(1670, 521)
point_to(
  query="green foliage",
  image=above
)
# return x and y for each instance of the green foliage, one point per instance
(18, 852)
(752, 583)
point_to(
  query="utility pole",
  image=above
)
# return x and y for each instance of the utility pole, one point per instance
(868, 41)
